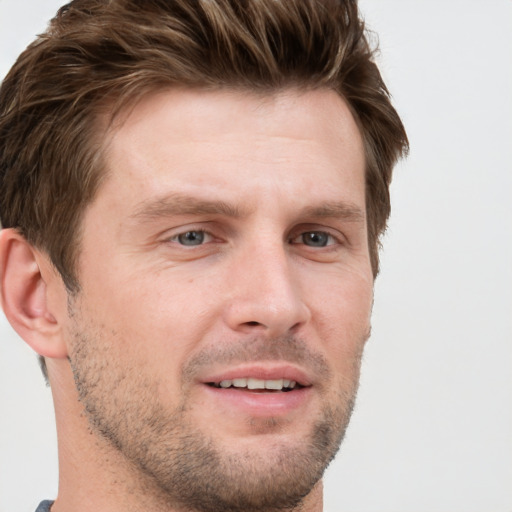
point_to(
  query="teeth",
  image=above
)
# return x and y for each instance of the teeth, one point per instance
(274, 384)
(255, 383)
(251, 383)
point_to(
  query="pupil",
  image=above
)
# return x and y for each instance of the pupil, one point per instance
(191, 238)
(316, 239)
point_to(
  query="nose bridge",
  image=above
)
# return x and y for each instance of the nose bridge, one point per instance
(267, 293)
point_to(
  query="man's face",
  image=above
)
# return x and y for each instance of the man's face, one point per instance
(225, 294)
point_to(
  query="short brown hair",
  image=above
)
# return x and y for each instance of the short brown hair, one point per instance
(101, 55)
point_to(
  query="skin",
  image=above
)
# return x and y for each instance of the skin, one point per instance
(276, 281)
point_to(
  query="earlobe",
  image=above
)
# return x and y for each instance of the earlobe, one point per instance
(25, 298)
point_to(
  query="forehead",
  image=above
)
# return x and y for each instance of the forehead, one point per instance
(226, 139)
(198, 111)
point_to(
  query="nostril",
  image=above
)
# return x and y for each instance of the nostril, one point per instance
(296, 327)
(263, 315)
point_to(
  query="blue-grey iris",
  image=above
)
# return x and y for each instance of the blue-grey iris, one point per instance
(191, 238)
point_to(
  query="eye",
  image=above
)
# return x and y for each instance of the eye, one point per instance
(314, 239)
(192, 238)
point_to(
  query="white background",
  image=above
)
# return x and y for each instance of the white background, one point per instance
(432, 431)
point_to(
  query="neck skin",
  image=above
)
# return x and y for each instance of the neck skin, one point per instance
(95, 476)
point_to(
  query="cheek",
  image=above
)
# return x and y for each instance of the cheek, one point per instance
(158, 319)
(343, 320)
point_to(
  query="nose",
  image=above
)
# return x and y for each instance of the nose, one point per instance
(265, 294)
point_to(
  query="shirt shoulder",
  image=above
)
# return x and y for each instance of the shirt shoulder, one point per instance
(44, 506)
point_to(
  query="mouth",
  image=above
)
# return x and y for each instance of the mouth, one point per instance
(260, 390)
(256, 385)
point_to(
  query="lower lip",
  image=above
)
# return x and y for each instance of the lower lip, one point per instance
(259, 404)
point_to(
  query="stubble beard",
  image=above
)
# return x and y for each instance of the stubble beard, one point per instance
(181, 466)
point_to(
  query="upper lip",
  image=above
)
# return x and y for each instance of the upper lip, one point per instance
(273, 371)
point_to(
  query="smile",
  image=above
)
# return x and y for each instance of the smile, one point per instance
(260, 390)
(257, 384)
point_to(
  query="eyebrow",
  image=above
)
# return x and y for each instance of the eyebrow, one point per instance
(180, 204)
(337, 209)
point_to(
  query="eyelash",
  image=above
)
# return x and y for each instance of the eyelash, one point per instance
(330, 239)
(201, 234)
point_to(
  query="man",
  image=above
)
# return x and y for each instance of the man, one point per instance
(192, 195)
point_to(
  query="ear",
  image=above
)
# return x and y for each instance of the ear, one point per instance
(25, 277)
